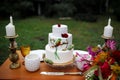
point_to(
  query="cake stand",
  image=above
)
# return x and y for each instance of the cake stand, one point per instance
(61, 65)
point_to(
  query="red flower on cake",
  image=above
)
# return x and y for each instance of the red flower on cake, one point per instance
(59, 25)
(65, 35)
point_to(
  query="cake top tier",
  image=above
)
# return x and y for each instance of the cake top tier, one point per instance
(59, 29)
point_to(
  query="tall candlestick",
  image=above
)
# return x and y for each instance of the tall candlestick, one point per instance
(108, 30)
(10, 28)
(13, 56)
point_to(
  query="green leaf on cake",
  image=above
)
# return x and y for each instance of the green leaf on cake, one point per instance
(48, 61)
(58, 42)
(56, 55)
(70, 47)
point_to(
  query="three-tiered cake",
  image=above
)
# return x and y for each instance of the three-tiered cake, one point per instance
(59, 48)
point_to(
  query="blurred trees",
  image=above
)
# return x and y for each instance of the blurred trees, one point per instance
(116, 7)
(79, 9)
(18, 8)
(86, 9)
(61, 8)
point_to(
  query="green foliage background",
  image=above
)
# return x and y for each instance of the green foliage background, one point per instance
(34, 31)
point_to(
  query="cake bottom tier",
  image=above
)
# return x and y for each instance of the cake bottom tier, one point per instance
(64, 56)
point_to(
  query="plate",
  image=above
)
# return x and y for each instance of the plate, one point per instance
(40, 53)
(80, 52)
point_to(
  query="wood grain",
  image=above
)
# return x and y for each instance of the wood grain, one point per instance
(22, 74)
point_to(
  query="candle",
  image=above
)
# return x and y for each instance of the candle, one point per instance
(10, 28)
(11, 20)
(108, 30)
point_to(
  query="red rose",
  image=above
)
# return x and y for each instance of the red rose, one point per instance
(65, 35)
(59, 25)
(105, 69)
(116, 55)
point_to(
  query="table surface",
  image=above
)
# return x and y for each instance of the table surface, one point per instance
(22, 73)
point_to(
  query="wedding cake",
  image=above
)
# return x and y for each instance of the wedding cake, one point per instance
(59, 48)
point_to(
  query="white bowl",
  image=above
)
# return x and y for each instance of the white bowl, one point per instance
(39, 52)
(32, 62)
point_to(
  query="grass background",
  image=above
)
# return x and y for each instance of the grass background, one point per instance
(34, 31)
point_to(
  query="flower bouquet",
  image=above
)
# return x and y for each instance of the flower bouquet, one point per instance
(104, 63)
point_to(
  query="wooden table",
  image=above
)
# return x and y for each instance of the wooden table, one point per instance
(22, 74)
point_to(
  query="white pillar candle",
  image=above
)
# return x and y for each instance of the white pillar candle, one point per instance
(10, 28)
(11, 20)
(108, 30)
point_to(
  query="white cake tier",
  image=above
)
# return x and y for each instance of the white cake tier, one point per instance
(58, 30)
(64, 43)
(64, 56)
